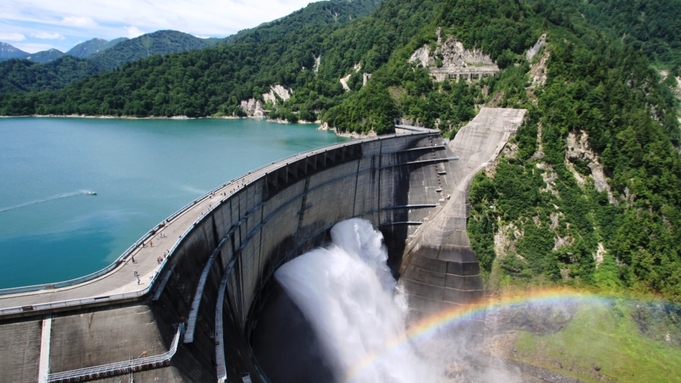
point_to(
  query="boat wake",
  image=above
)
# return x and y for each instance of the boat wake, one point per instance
(52, 198)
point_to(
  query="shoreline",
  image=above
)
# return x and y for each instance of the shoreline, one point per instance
(322, 126)
(111, 117)
(355, 135)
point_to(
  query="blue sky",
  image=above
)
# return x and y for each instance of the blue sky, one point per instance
(36, 25)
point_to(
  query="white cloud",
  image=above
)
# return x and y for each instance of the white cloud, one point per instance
(83, 20)
(11, 36)
(133, 31)
(47, 36)
(79, 21)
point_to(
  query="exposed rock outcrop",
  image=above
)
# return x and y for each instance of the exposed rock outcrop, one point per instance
(253, 107)
(317, 63)
(344, 80)
(578, 148)
(452, 60)
(365, 78)
(529, 55)
(277, 90)
(503, 242)
(325, 126)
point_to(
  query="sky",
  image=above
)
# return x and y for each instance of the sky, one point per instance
(37, 25)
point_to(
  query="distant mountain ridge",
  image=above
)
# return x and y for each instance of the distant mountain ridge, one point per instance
(82, 50)
(93, 46)
(157, 43)
(9, 52)
(97, 55)
(44, 57)
(88, 58)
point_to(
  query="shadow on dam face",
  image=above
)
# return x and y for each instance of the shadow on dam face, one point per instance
(285, 345)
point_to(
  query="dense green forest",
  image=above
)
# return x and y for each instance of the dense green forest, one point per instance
(18, 75)
(53, 70)
(157, 43)
(559, 229)
(651, 26)
(555, 222)
(206, 82)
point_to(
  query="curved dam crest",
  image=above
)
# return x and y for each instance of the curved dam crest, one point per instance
(190, 315)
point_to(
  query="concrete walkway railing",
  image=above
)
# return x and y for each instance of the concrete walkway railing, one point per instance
(124, 296)
(118, 368)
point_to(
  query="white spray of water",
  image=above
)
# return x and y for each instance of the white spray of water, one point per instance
(52, 198)
(347, 293)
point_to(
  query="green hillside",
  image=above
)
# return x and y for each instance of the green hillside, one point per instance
(652, 27)
(19, 75)
(207, 81)
(97, 56)
(145, 46)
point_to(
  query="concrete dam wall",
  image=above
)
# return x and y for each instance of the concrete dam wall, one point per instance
(191, 321)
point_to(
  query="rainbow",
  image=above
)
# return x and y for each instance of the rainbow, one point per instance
(430, 325)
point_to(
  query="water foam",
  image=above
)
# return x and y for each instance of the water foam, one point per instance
(51, 198)
(348, 294)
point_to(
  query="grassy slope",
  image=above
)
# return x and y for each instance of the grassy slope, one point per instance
(606, 336)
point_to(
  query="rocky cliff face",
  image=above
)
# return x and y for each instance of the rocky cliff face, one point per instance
(452, 59)
(277, 91)
(253, 107)
(578, 149)
(541, 43)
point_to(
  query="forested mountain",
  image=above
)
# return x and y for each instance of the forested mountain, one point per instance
(43, 57)
(100, 56)
(211, 80)
(9, 52)
(18, 75)
(651, 26)
(157, 43)
(93, 46)
(588, 193)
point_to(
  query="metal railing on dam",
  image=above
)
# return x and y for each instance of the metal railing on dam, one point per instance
(235, 237)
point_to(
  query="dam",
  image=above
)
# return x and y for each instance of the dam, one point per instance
(181, 304)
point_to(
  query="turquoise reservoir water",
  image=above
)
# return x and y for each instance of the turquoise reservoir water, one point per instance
(51, 229)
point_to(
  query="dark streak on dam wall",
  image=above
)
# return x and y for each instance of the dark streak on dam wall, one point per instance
(394, 182)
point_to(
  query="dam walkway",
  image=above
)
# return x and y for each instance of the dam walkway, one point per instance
(141, 261)
(144, 260)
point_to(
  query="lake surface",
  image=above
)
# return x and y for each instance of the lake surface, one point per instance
(51, 229)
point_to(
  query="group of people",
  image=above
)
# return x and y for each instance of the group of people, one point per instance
(160, 258)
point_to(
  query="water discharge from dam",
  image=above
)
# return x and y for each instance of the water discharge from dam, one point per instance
(347, 293)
